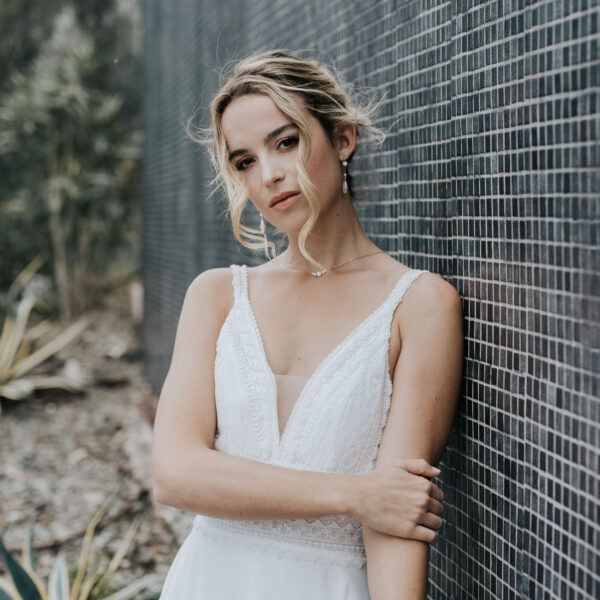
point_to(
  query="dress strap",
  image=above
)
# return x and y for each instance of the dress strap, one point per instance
(402, 285)
(239, 282)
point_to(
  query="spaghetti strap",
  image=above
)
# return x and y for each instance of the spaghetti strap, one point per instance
(237, 282)
(403, 284)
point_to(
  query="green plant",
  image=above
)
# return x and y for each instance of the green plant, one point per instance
(69, 159)
(87, 583)
(17, 356)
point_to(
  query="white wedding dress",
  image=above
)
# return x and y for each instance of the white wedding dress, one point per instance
(335, 426)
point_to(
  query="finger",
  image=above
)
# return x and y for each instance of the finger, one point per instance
(419, 466)
(436, 493)
(435, 507)
(424, 534)
(431, 521)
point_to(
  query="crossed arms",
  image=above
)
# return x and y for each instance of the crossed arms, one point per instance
(396, 498)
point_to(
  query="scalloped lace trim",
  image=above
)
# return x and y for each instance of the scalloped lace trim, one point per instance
(297, 539)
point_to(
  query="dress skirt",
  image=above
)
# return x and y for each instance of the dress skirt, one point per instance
(209, 569)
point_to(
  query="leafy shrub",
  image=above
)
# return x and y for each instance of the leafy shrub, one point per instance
(86, 583)
(69, 158)
(17, 355)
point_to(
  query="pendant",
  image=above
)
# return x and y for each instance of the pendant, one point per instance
(318, 273)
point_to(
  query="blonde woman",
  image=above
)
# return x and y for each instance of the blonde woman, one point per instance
(308, 398)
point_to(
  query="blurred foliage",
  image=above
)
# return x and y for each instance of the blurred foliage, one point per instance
(86, 582)
(70, 142)
(18, 354)
(24, 25)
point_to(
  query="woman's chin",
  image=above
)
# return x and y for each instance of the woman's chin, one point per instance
(291, 224)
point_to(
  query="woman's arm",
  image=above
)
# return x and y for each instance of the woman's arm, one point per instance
(426, 386)
(189, 474)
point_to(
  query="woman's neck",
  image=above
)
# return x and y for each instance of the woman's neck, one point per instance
(337, 236)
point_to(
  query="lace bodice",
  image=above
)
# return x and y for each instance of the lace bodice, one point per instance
(335, 425)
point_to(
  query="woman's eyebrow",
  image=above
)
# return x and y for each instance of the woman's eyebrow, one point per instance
(266, 140)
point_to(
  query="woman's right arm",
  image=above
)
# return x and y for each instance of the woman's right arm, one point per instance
(189, 474)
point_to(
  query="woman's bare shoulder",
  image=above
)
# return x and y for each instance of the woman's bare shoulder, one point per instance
(431, 297)
(212, 290)
(212, 279)
(202, 315)
(397, 269)
(428, 292)
(430, 284)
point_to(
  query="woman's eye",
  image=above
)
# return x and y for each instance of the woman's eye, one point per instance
(289, 142)
(285, 144)
(242, 164)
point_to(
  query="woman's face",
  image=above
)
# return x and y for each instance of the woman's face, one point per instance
(263, 143)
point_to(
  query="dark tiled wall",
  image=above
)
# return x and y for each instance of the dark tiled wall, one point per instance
(490, 176)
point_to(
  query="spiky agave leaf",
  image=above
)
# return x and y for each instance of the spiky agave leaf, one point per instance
(10, 339)
(40, 355)
(124, 547)
(28, 562)
(27, 556)
(16, 390)
(7, 326)
(8, 591)
(37, 582)
(15, 360)
(58, 583)
(38, 330)
(19, 389)
(88, 585)
(22, 278)
(58, 586)
(137, 586)
(24, 349)
(90, 582)
(15, 333)
(85, 550)
(103, 578)
(23, 582)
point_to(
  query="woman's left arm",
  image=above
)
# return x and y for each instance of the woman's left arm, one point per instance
(426, 386)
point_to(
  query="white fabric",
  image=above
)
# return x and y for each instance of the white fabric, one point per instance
(335, 426)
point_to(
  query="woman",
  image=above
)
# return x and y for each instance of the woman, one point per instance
(308, 397)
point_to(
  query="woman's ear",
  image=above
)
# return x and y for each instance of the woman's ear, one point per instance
(345, 140)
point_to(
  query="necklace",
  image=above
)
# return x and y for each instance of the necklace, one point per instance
(323, 271)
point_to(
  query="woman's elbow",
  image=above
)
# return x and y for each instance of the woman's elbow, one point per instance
(171, 484)
(161, 481)
(165, 469)
(160, 492)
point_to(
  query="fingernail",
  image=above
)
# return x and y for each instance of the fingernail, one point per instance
(436, 469)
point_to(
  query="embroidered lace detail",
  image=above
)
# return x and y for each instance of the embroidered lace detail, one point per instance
(339, 520)
(336, 424)
(297, 539)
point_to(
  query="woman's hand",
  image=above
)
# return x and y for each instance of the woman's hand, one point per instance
(399, 499)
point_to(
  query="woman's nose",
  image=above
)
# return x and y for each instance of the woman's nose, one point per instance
(272, 172)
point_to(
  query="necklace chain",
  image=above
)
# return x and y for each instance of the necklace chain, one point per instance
(323, 271)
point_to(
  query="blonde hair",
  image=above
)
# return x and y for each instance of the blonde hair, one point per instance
(278, 75)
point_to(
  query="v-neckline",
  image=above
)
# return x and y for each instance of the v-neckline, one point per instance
(321, 365)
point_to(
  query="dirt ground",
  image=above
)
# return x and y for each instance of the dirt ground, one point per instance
(63, 455)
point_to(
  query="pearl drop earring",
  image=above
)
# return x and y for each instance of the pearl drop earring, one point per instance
(345, 182)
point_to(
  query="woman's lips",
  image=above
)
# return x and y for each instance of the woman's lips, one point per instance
(285, 204)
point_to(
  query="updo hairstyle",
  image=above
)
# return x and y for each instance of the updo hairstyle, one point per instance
(276, 74)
